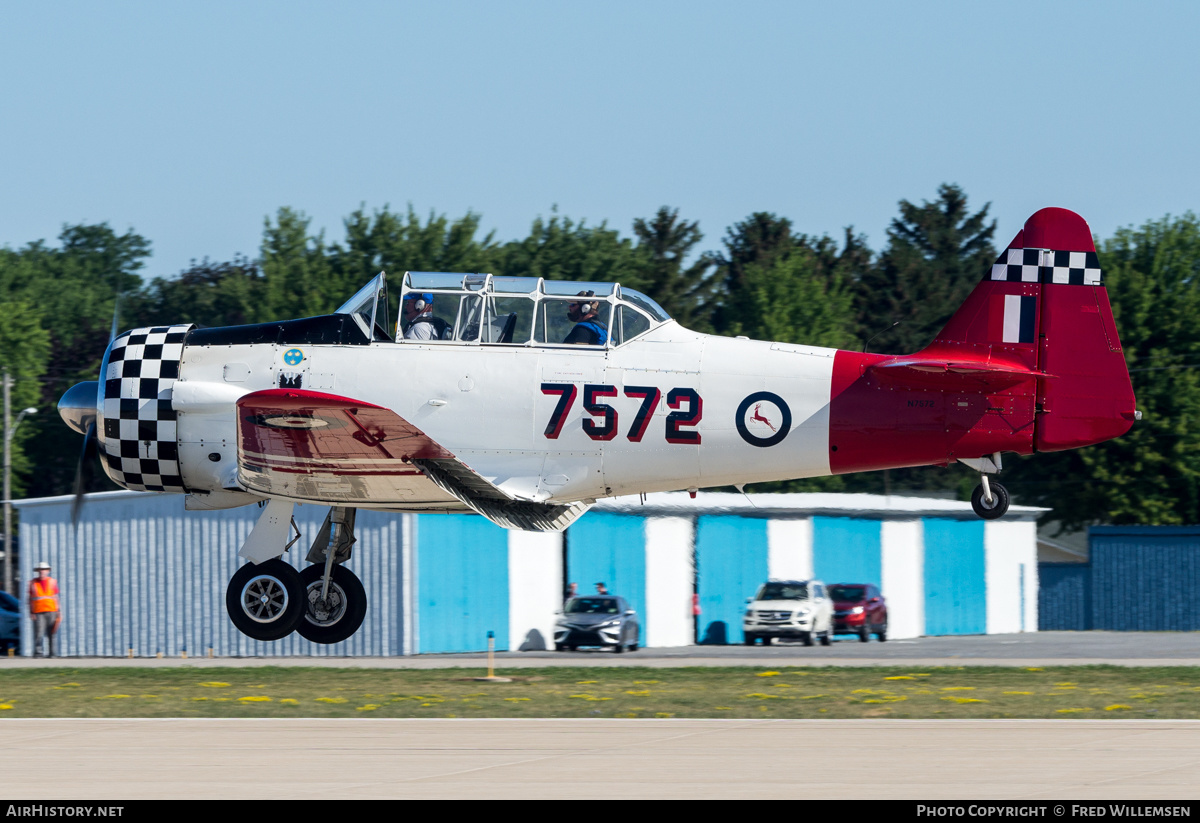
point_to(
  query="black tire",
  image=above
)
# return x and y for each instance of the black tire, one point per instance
(265, 601)
(807, 638)
(620, 647)
(750, 639)
(882, 633)
(344, 612)
(999, 502)
(766, 639)
(864, 634)
(827, 636)
(558, 647)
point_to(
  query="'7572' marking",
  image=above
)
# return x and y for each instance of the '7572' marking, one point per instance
(603, 421)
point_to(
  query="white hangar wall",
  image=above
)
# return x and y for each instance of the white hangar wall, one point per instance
(142, 574)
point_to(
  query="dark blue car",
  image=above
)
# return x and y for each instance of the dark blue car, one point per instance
(10, 623)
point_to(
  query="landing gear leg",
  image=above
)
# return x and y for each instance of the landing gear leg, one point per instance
(265, 598)
(335, 600)
(989, 500)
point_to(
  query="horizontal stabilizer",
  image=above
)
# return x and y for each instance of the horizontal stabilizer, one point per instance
(949, 374)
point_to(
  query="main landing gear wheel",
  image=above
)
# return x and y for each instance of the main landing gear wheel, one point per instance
(990, 510)
(265, 601)
(338, 615)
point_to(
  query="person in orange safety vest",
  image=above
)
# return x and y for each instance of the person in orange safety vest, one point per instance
(43, 606)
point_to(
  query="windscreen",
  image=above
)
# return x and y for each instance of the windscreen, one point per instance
(591, 605)
(783, 591)
(848, 594)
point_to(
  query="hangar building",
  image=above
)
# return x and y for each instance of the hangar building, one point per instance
(142, 576)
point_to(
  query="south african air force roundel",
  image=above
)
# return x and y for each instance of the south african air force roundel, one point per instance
(763, 419)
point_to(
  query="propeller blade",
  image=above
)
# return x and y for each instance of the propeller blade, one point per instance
(84, 471)
(112, 335)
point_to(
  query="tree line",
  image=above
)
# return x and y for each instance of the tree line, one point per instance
(765, 279)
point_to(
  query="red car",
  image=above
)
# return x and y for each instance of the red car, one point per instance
(859, 608)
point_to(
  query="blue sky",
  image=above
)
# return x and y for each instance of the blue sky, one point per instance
(190, 123)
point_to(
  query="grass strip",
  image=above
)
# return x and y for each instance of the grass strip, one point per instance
(737, 692)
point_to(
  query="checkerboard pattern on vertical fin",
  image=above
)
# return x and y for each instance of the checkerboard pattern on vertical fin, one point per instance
(140, 439)
(1075, 268)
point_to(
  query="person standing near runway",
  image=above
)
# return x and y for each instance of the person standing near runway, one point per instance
(43, 607)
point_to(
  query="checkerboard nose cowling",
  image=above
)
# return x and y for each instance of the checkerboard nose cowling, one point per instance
(140, 439)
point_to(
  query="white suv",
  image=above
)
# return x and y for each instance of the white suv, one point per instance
(789, 608)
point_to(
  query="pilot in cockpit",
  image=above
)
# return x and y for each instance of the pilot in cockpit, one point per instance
(418, 313)
(589, 329)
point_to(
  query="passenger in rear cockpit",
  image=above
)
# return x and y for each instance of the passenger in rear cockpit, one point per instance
(589, 329)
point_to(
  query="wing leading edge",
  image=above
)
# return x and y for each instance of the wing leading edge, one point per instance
(323, 448)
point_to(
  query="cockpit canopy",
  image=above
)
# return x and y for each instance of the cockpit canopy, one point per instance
(515, 311)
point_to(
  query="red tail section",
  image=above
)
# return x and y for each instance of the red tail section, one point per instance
(1031, 362)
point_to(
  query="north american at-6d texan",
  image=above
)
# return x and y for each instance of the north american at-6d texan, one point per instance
(525, 400)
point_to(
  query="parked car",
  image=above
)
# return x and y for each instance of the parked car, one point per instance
(606, 621)
(798, 609)
(10, 623)
(859, 608)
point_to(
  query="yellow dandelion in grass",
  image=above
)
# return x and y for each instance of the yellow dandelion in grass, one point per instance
(1116, 707)
(894, 698)
(899, 677)
(5, 707)
(958, 688)
(585, 682)
(199, 698)
(626, 714)
(517, 699)
(289, 701)
(113, 697)
(783, 685)
(646, 682)
(370, 707)
(767, 674)
(723, 708)
(1066, 685)
(665, 714)
(66, 686)
(1034, 669)
(964, 699)
(813, 697)
(641, 693)
(921, 674)
(761, 696)
(215, 684)
(1068, 711)
(254, 698)
(1018, 692)
(331, 700)
(868, 691)
(923, 691)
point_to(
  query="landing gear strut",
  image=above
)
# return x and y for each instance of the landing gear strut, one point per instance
(989, 500)
(336, 601)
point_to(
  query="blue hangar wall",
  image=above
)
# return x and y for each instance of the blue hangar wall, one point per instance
(142, 574)
(1137, 578)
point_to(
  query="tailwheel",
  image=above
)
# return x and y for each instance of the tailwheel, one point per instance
(989, 500)
(265, 601)
(336, 616)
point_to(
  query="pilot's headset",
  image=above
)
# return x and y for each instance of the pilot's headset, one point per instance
(585, 306)
(420, 302)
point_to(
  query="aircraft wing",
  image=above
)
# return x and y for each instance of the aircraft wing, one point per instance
(311, 446)
(947, 373)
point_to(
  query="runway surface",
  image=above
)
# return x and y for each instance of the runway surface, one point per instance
(1032, 649)
(65, 759)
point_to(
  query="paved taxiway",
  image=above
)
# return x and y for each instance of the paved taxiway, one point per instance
(1032, 649)
(326, 759)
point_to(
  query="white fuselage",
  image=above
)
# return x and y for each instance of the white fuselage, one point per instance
(490, 406)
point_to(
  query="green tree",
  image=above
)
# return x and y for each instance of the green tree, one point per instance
(206, 293)
(25, 353)
(937, 252)
(298, 277)
(685, 291)
(562, 249)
